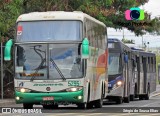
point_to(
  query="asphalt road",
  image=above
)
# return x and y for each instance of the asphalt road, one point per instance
(134, 108)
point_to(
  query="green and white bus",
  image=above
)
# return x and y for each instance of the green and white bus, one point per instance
(60, 58)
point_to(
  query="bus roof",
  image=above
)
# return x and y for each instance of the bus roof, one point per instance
(111, 40)
(56, 15)
(120, 45)
(143, 53)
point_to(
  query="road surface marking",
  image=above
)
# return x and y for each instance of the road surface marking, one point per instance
(122, 114)
(90, 114)
(60, 114)
(148, 104)
(149, 114)
(154, 95)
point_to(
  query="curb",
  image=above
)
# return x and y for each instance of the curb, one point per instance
(5, 103)
(156, 94)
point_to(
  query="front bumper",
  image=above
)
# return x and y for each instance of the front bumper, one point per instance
(37, 98)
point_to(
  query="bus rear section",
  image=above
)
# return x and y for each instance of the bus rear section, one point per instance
(146, 79)
(118, 72)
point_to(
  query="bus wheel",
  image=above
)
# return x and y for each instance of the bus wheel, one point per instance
(140, 97)
(148, 94)
(82, 105)
(127, 99)
(27, 106)
(132, 97)
(119, 100)
(54, 106)
(85, 105)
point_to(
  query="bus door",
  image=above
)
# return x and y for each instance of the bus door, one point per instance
(141, 77)
(133, 77)
(138, 73)
(126, 79)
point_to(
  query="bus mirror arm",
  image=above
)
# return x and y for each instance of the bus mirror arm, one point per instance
(79, 48)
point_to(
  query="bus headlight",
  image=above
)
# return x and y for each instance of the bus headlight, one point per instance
(74, 89)
(119, 83)
(23, 90)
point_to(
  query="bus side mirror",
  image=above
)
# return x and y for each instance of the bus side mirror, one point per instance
(7, 50)
(85, 48)
(126, 58)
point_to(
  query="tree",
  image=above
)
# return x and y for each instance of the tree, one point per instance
(128, 41)
(107, 11)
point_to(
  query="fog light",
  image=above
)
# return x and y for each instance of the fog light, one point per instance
(17, 98)
(79, 97)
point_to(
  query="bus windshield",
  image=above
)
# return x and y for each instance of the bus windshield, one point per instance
(114, 63)
(36, 60)
(49, 31)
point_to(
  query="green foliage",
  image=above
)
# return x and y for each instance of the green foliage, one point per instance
(107, 11)
(157, 61)
(128, 41)
(8, 15)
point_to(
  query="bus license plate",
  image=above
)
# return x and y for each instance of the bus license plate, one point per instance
(48, 98)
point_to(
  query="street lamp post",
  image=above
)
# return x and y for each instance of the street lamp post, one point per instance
(142, 41)
(1, 69)
(2, 41)
(148, 45)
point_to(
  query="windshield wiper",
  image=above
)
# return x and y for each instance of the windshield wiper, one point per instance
(54, 64)
(39, 67)
(58, 70)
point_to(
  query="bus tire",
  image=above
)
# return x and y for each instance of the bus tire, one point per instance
(132, 97)
(127, 99)
(27, 106)
(88, 104)
(148, 94)
(82, 105)
(119, 100)
(140, 97)
(135, 92)
(54, 106)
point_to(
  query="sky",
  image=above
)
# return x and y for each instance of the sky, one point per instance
(152, 7)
